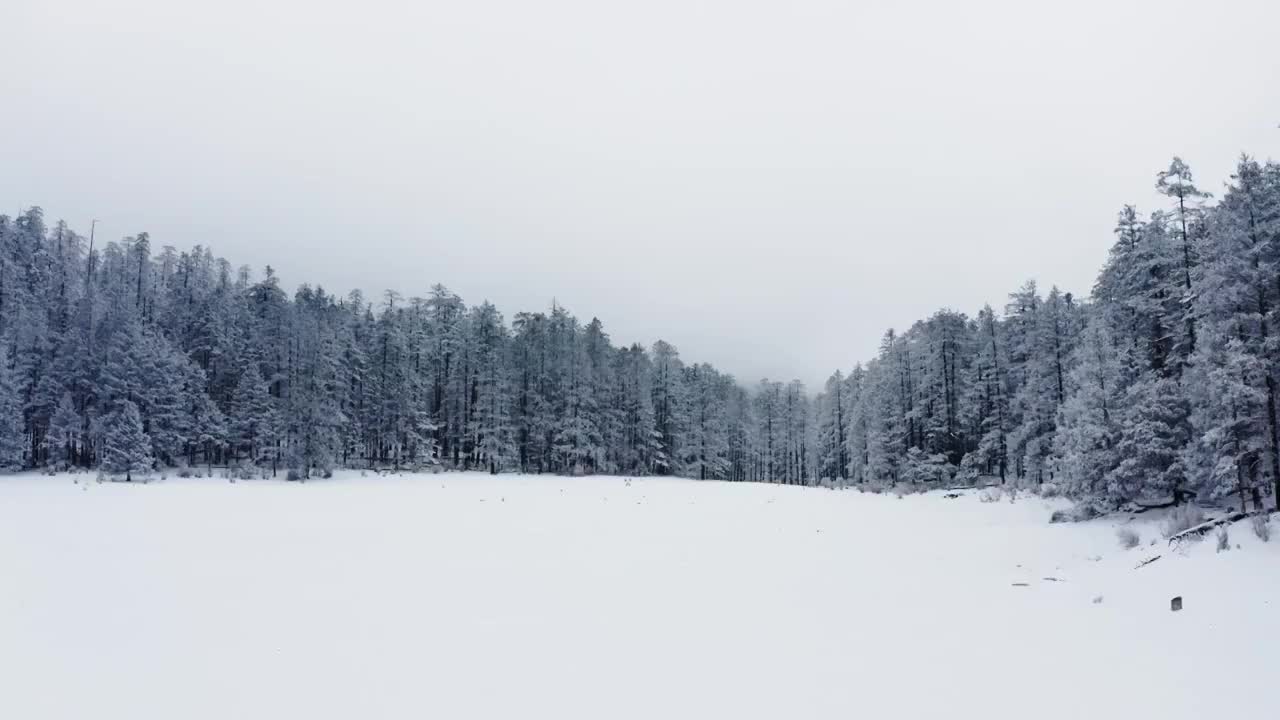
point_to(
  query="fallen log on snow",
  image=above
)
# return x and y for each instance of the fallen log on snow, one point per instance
(1146, 562)
(1199, 531)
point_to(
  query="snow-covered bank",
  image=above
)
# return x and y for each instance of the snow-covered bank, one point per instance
(475, 596)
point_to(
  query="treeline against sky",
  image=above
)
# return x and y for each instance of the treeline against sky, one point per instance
(1161, 384)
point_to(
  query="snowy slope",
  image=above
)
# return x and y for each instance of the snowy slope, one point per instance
(470, 596)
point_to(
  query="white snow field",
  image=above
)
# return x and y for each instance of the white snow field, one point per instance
(471, 596)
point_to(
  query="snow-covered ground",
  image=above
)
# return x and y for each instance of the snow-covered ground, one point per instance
(470, 596)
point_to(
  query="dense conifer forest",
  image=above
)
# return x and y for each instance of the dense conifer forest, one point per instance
(1161, 384)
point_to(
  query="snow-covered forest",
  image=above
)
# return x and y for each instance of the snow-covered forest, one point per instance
(128, 356)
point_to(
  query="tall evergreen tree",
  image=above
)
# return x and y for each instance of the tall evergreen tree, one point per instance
(12, 438)
(64, 433)
(126, 449)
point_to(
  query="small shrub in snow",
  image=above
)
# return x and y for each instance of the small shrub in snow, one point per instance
(326, 474)
(990, 495)
(1049, 490)
(1224, 539)
(1183, 517)
(1079, 513)
(1261, 524)
(1128, 537)
(293, 475)
(184, 472)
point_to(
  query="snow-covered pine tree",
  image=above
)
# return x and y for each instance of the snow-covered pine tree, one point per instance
(12, 435)
(576, 436)
(254, 421)
(64, 433)
(706, 452)
(126, 449)
(855, 402)
(986, 410)
(206, 425)
(316, 384)
(1233, 371)
(670, 416)
(1153, 430)
(946, 349)
(164, 401)
(123, 372)
(635, 398)
(604, 383)
(491, 427)
(1088, 428)
(1228, 451)
(1177, 184)
(832, 429)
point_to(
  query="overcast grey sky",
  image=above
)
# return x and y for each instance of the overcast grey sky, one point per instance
(767, 185)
